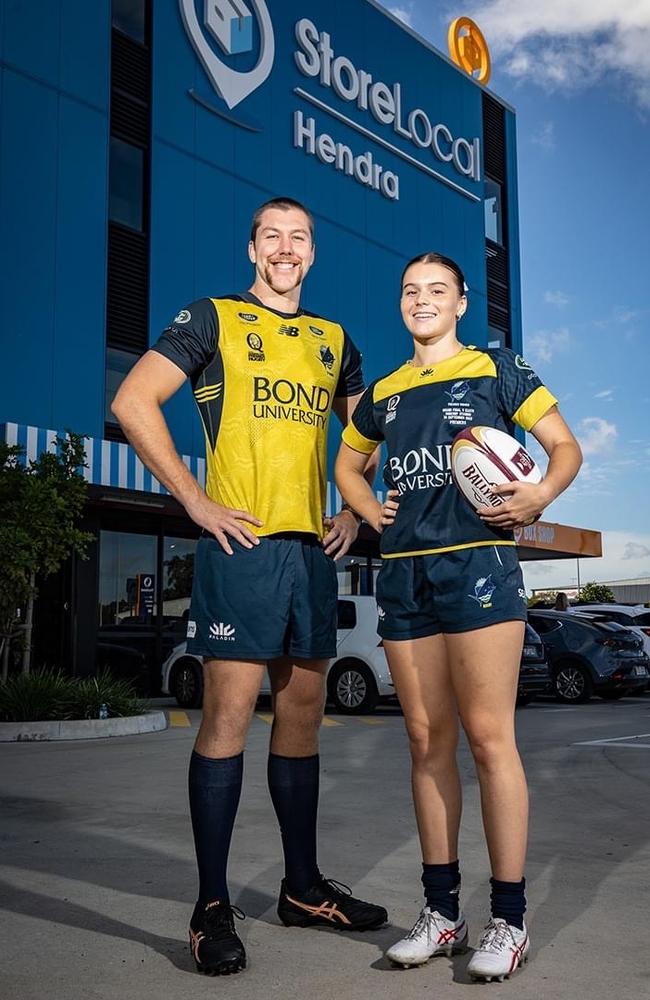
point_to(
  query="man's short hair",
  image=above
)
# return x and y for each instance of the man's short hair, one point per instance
(282, 203)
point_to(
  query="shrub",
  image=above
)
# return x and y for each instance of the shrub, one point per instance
(85, 696)
(596, 593)
(27, 697)
(49, 695)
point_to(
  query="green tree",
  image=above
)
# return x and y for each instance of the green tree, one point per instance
(596, 593)
(41, 503)
(180, 570)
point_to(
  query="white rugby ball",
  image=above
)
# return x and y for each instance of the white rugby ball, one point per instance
(483, 457)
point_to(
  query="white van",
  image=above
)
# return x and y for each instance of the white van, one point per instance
(358, 676)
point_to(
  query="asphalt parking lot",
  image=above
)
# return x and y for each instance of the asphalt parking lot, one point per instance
(98, 880)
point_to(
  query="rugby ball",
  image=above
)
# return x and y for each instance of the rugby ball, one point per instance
(483, 457)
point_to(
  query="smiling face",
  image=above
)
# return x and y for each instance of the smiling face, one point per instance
(431, 303)
(282, 251)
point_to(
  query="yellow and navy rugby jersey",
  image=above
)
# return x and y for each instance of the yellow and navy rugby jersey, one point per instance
(418, 412)
(264, 382)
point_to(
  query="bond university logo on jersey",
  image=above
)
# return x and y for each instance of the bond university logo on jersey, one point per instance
(219, 630)
(297, 402)
(421, 469)
(459, 411)
(483, 590)
(222, 30)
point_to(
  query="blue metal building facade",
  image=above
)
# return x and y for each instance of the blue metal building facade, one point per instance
(344, 70)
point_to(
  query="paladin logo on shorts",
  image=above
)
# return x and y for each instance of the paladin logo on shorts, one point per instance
(222, 631)
(229, 24)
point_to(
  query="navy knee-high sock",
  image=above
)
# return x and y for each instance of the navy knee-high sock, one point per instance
(215, 787)
(293, 784)
(441, 887)
(508, 900)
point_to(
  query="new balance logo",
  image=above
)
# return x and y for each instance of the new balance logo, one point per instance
(222, 631)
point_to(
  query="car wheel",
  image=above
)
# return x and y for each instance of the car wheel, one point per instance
(187, 683)
(613, 695)
(352, 687)
(572, 683)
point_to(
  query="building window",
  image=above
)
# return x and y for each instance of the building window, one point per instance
(127, 581)
(118, 366)
(493, 212)
(126, 184)
(129, 17)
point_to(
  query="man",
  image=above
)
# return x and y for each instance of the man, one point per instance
(265, 375)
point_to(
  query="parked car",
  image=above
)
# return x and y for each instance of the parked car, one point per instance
(534, 675)
(590, 656)
(634, 616)
(358, 676)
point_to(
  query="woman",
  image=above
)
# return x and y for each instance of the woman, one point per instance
(451, 600)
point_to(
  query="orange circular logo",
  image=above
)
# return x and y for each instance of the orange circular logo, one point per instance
(468, 49)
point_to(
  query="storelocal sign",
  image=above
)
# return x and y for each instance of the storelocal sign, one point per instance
(226, 30)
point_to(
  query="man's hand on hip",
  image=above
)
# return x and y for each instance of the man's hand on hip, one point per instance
(224, 522)
(343, 528)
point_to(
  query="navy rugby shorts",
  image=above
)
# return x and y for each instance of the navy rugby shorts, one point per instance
(276, 599)
(454, 591)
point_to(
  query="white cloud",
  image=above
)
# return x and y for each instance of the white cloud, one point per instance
(556, 298)
(605, 394)
(568, 46)
(541, 346)
(405, 14)
(596, 436)
(545, 138)
(634, 550)
(614, 564)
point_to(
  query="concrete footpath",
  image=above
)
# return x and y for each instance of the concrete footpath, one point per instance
(97, 877)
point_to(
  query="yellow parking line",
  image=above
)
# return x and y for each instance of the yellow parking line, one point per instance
(265, 717)
(331, 722)
(370, 722)
(179, 719)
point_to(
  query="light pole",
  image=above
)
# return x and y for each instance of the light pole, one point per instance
(578, 565)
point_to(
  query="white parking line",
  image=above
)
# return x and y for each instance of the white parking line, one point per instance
(617, 741)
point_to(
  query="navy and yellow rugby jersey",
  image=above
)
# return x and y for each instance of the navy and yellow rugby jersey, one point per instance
(264, 382)
(418, 412)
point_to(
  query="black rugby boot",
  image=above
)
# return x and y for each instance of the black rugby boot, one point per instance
(214, 943)
(328, 903)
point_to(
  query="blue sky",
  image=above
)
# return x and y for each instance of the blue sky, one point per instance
(578, 75)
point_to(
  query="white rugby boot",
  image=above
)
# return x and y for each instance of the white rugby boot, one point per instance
(502, 949)
(431, 934)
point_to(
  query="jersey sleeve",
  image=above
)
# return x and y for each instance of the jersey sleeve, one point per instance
(363, 432)
(350, 381)
(190, 340)
(522, 395)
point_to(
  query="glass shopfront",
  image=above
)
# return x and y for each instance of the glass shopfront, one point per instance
(143, 598)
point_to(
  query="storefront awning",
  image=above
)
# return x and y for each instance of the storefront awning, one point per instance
(115, 464)
(548, 540)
